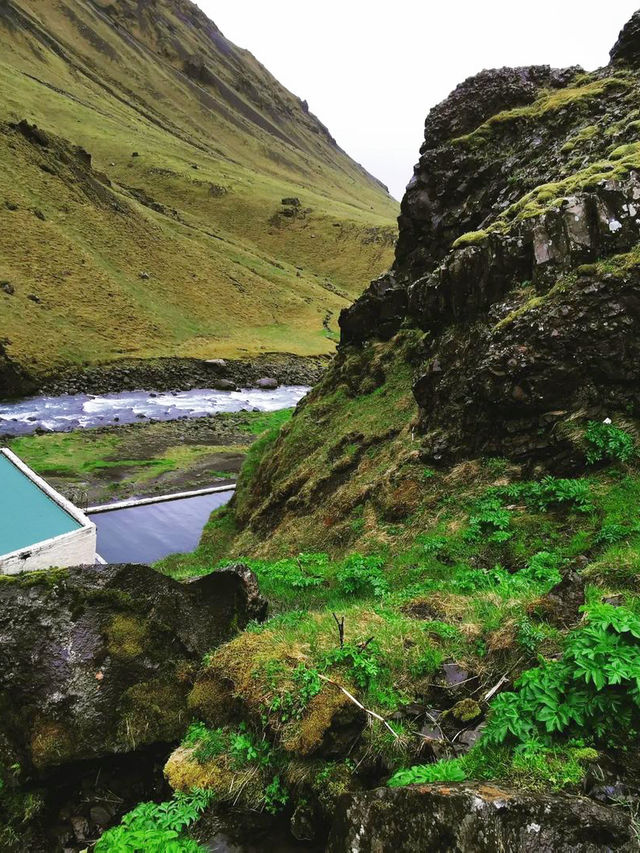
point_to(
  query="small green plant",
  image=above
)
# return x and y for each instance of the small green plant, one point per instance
(157, 827)
(208, 742)
(428, 662)
(244, 750)
(529, 635)
(432, 544)
(611, 533)
(489, 522)
(441, 629)
(292, 704)
(594, 689)
(550, 491)
(608, 442)
(276, 796)
(542, 569)
(530, 765)
(363, 664)
(359, 576)
(496, 465)
(447, 770)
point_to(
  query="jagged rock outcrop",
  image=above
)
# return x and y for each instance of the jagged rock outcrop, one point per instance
(627, 47)
(452, 189)
(98, 661)
(526, 178)
(383, 306)
(470, 818)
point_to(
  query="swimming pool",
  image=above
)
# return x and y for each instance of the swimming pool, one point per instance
(38, 527)
(27, 514)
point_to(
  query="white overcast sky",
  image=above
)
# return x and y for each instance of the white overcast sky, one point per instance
(370, 70)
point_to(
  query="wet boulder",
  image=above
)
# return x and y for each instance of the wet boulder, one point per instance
(224, 385)
(469, 818)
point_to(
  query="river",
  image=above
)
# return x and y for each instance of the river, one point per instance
(81, 411)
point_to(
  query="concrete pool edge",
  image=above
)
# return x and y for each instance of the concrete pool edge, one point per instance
(70, 548)
(157, 499)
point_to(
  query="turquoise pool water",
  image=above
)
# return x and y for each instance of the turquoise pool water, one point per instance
(27, 514)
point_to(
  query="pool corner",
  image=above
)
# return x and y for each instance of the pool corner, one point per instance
(52, 531)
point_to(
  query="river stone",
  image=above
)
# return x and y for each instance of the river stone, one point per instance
(267, 383)
(468, 818)
(98, 660)
(224, 385)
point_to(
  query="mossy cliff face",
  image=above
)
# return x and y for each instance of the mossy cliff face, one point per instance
(98, 661)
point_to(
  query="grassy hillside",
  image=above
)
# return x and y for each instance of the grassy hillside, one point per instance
(184, 248)
(487, 609)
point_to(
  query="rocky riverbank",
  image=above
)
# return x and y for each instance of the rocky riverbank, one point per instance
(97, 466)
(183, 374)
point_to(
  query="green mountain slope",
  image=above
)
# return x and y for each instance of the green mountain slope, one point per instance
(172, 239)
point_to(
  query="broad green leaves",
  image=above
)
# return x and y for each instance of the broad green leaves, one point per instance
(593, 689)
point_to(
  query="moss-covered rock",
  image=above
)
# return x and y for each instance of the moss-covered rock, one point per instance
(98, 661)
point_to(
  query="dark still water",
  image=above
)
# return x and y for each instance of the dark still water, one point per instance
(144, 534)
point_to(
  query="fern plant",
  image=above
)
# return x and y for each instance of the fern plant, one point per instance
(489, 522)
(608, 442)
(549, 492)
(362, 576)
(157, 827)
(447, 770)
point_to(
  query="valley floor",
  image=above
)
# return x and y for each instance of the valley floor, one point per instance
(97, 466)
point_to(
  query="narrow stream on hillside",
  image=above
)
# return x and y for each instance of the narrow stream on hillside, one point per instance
(82, 411)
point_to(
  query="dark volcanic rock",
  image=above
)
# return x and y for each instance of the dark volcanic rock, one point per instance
(503, 389)
(378, 313)
(503, 234)
(485, 94)
(98, 660)
(455, 187)
(469, 818)
(627, 48)
(13, 380)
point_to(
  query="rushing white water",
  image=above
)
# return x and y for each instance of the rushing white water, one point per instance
(78, 411)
